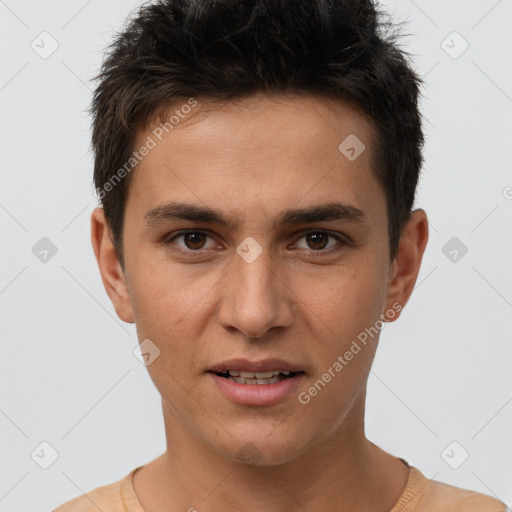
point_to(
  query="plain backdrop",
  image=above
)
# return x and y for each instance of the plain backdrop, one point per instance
(440, 389)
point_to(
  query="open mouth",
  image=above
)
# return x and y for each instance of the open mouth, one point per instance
(256, 378)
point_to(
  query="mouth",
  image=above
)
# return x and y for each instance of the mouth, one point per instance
(256, 383)
(257, 378)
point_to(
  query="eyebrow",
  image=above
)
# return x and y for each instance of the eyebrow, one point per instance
(197, 213)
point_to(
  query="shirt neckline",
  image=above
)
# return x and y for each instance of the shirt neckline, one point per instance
(132, 504)
(130, 500)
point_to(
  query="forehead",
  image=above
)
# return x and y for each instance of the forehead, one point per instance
(256, 151)
(294, 118)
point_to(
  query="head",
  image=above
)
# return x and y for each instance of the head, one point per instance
(285, 138)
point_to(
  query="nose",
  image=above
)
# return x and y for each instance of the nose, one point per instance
(254, 297)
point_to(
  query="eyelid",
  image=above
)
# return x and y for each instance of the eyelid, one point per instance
(340, 237)
(168, 240)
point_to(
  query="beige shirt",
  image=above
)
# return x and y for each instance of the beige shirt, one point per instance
(419, 495)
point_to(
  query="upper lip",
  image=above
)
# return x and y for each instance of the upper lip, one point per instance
(263, 365)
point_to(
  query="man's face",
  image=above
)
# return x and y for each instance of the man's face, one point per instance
(300, 291)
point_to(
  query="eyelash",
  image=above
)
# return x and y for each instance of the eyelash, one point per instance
(200, 252)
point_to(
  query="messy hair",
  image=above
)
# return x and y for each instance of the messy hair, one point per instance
(170, 51)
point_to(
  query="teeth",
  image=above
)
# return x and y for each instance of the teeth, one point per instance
(255, 382)
(257, 375)
(253, 378)
(264, 375)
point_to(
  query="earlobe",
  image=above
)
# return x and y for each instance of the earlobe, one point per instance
(112, 275)
(406, 266)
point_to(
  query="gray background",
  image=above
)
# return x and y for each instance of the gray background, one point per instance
(68, 374)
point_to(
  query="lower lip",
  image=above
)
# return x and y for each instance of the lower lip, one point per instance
(257, 394)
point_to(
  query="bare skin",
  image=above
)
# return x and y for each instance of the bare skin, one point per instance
(303, 299)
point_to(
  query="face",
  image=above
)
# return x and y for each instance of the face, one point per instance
(277, 261)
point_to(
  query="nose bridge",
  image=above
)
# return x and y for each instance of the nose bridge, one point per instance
(253, 271)
(254, 300)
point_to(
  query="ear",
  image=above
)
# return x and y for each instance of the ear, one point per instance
(112, 274)
(406, 265)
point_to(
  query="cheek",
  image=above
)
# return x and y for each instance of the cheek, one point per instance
(169, 309)
(165, 315)
(345, 315)
(161, 295)
(346, 299)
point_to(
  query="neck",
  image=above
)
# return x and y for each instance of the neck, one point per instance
(344, 472)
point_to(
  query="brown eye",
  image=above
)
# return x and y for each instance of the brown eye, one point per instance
(317, 240)
(190, 241)
(194, 240)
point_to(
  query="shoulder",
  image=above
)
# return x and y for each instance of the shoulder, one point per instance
(107, 497)
(424, 495)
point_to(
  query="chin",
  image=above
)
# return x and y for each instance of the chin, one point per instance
(261, 450)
